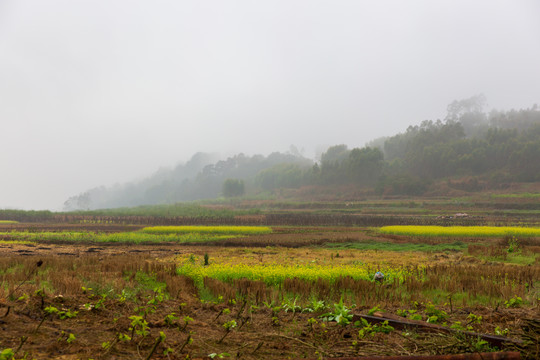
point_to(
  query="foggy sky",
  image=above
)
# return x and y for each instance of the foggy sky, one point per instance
(99, 92)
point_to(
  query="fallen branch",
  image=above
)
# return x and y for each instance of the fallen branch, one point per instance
(298, 340)
(471, 356)
(399, 322)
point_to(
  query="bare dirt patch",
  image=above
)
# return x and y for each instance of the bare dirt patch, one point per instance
(48, 249)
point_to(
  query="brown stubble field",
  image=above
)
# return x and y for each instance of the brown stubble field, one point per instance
(127, 301)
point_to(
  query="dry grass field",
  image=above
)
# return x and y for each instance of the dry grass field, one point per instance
(291, 293)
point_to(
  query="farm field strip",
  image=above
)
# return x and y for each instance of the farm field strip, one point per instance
(124, 306)
(277, 274)
(302, 257)
(460, 231)
(195, 301)
(174, 234)
(127, 237)
(399, 247)
(527, 195)
(305, 274)
(225, 230)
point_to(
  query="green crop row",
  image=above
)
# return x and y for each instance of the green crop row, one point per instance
(126, 237)
(390, 246)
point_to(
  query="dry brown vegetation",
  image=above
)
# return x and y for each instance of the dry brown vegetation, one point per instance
(262, 332)
(104, 293)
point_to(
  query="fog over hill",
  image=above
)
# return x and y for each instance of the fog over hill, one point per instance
(96, 93)
(472, 149)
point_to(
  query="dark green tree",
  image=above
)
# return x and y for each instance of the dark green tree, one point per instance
(233, 187)
(364, 166)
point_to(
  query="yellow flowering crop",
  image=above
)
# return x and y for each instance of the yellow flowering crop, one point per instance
(223, 230)
(460, 231)
(275, 274)
(16, 242)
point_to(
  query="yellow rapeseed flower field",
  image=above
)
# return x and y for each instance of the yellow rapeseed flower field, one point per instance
(460, 231)
(16, 242)
(223, 230)
(276, 274)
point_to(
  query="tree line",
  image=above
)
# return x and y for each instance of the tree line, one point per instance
(496, 147)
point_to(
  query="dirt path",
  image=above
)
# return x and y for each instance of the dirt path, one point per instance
(36, 249)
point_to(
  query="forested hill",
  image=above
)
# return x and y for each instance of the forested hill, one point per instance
(200, 178)
(469, 148)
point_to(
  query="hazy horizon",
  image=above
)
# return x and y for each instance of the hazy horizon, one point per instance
(96, 93)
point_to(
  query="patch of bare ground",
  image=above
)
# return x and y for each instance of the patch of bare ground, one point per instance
(77, 250)
(292, 239)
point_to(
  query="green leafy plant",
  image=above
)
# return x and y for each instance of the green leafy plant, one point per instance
(228, 326)
(67, 314)
(341, 314)
(311, 322)
(410, 314)
(291, 306)
(62, 314)
(170, 319)
(7, 354)
(268, 305)
(187, 320)
(122, 297)
(435, 315)
(87, 290)
(219, 356)
(514, 302)
(315, 306)
(481, 345)
(368, 329)
(138, 326)
(123, 337)
(513, 245)
(23, 297)
(157, 298)
(474, 319)
(51, 310)
(374, 309)
(100, 303)
(71, 338)
(459, 326)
